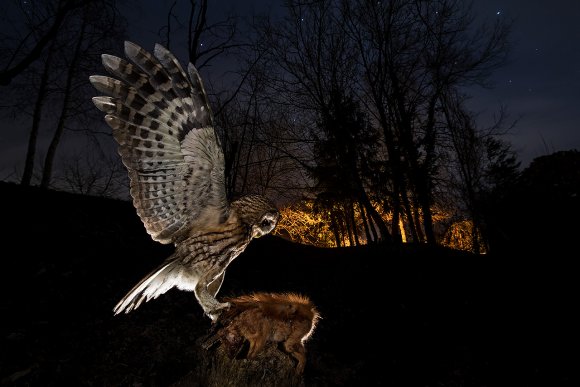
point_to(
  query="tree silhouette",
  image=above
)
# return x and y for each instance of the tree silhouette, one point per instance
(339, 183)
(57, 78)
(539, 211)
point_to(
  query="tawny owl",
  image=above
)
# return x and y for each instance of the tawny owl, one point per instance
(163, 123)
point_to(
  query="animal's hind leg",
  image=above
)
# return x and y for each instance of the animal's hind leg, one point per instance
(295, 347)
(257, 343)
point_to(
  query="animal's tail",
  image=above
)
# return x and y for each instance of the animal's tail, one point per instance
(151, 286)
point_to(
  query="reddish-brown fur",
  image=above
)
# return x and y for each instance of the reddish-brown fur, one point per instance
(260, 318)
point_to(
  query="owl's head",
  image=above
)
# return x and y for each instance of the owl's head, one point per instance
(265, 224)
(258, 213)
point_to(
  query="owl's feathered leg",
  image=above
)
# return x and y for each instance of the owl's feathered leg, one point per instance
(211, 306)
(215, 286)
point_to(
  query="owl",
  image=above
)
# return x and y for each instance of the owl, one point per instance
(164, 126)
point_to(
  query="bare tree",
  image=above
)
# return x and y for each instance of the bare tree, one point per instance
(411, 52)
(480, 161)
(206, 39)
(40, 100)
(94, 29)
(254, 161)
(67, 94)
(255, 137)
(311, 68)
(92, 173)
(42, 26)
(59, 78)
(399, 59)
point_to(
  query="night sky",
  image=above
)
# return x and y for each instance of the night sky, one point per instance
(539, 86)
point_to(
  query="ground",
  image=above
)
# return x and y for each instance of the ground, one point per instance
(409, 316)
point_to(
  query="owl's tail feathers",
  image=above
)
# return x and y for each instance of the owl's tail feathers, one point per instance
(151, 286)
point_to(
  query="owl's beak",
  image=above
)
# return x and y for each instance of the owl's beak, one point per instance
(256, 232)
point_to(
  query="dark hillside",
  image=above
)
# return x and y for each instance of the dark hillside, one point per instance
(403, 317)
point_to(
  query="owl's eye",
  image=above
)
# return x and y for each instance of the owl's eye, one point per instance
(265, 223)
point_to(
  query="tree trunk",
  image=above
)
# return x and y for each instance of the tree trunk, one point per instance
(376, 217)
(37, 114)
(335, 230)
(63, 10)
(51, 152)
(367, 226)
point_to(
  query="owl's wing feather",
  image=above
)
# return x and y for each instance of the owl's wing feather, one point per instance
(163, 124)
(156, 283)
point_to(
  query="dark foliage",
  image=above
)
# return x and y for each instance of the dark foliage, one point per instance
(540, 210)
(413, 316)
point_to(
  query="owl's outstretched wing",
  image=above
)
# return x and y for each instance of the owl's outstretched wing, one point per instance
(164, 126)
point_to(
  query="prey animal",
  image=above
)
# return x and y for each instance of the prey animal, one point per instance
(164, 126)
(262, 318)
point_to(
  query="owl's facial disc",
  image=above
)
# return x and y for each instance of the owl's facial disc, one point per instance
(265, 225)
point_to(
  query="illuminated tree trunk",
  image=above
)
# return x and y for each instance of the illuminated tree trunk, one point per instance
(367, 227)
(345, 226)
(418, 235)
(335, 230)
(412, 219)
(395, 165)
(378, 220)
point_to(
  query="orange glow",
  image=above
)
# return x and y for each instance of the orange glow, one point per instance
(459, 236)
(301, 224)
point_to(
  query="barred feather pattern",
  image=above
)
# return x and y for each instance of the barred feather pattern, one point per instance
(201, 258)
(164, 126)
(162, 121)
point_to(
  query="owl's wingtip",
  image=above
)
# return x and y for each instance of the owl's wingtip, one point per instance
(159, 48)
(131, 49)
